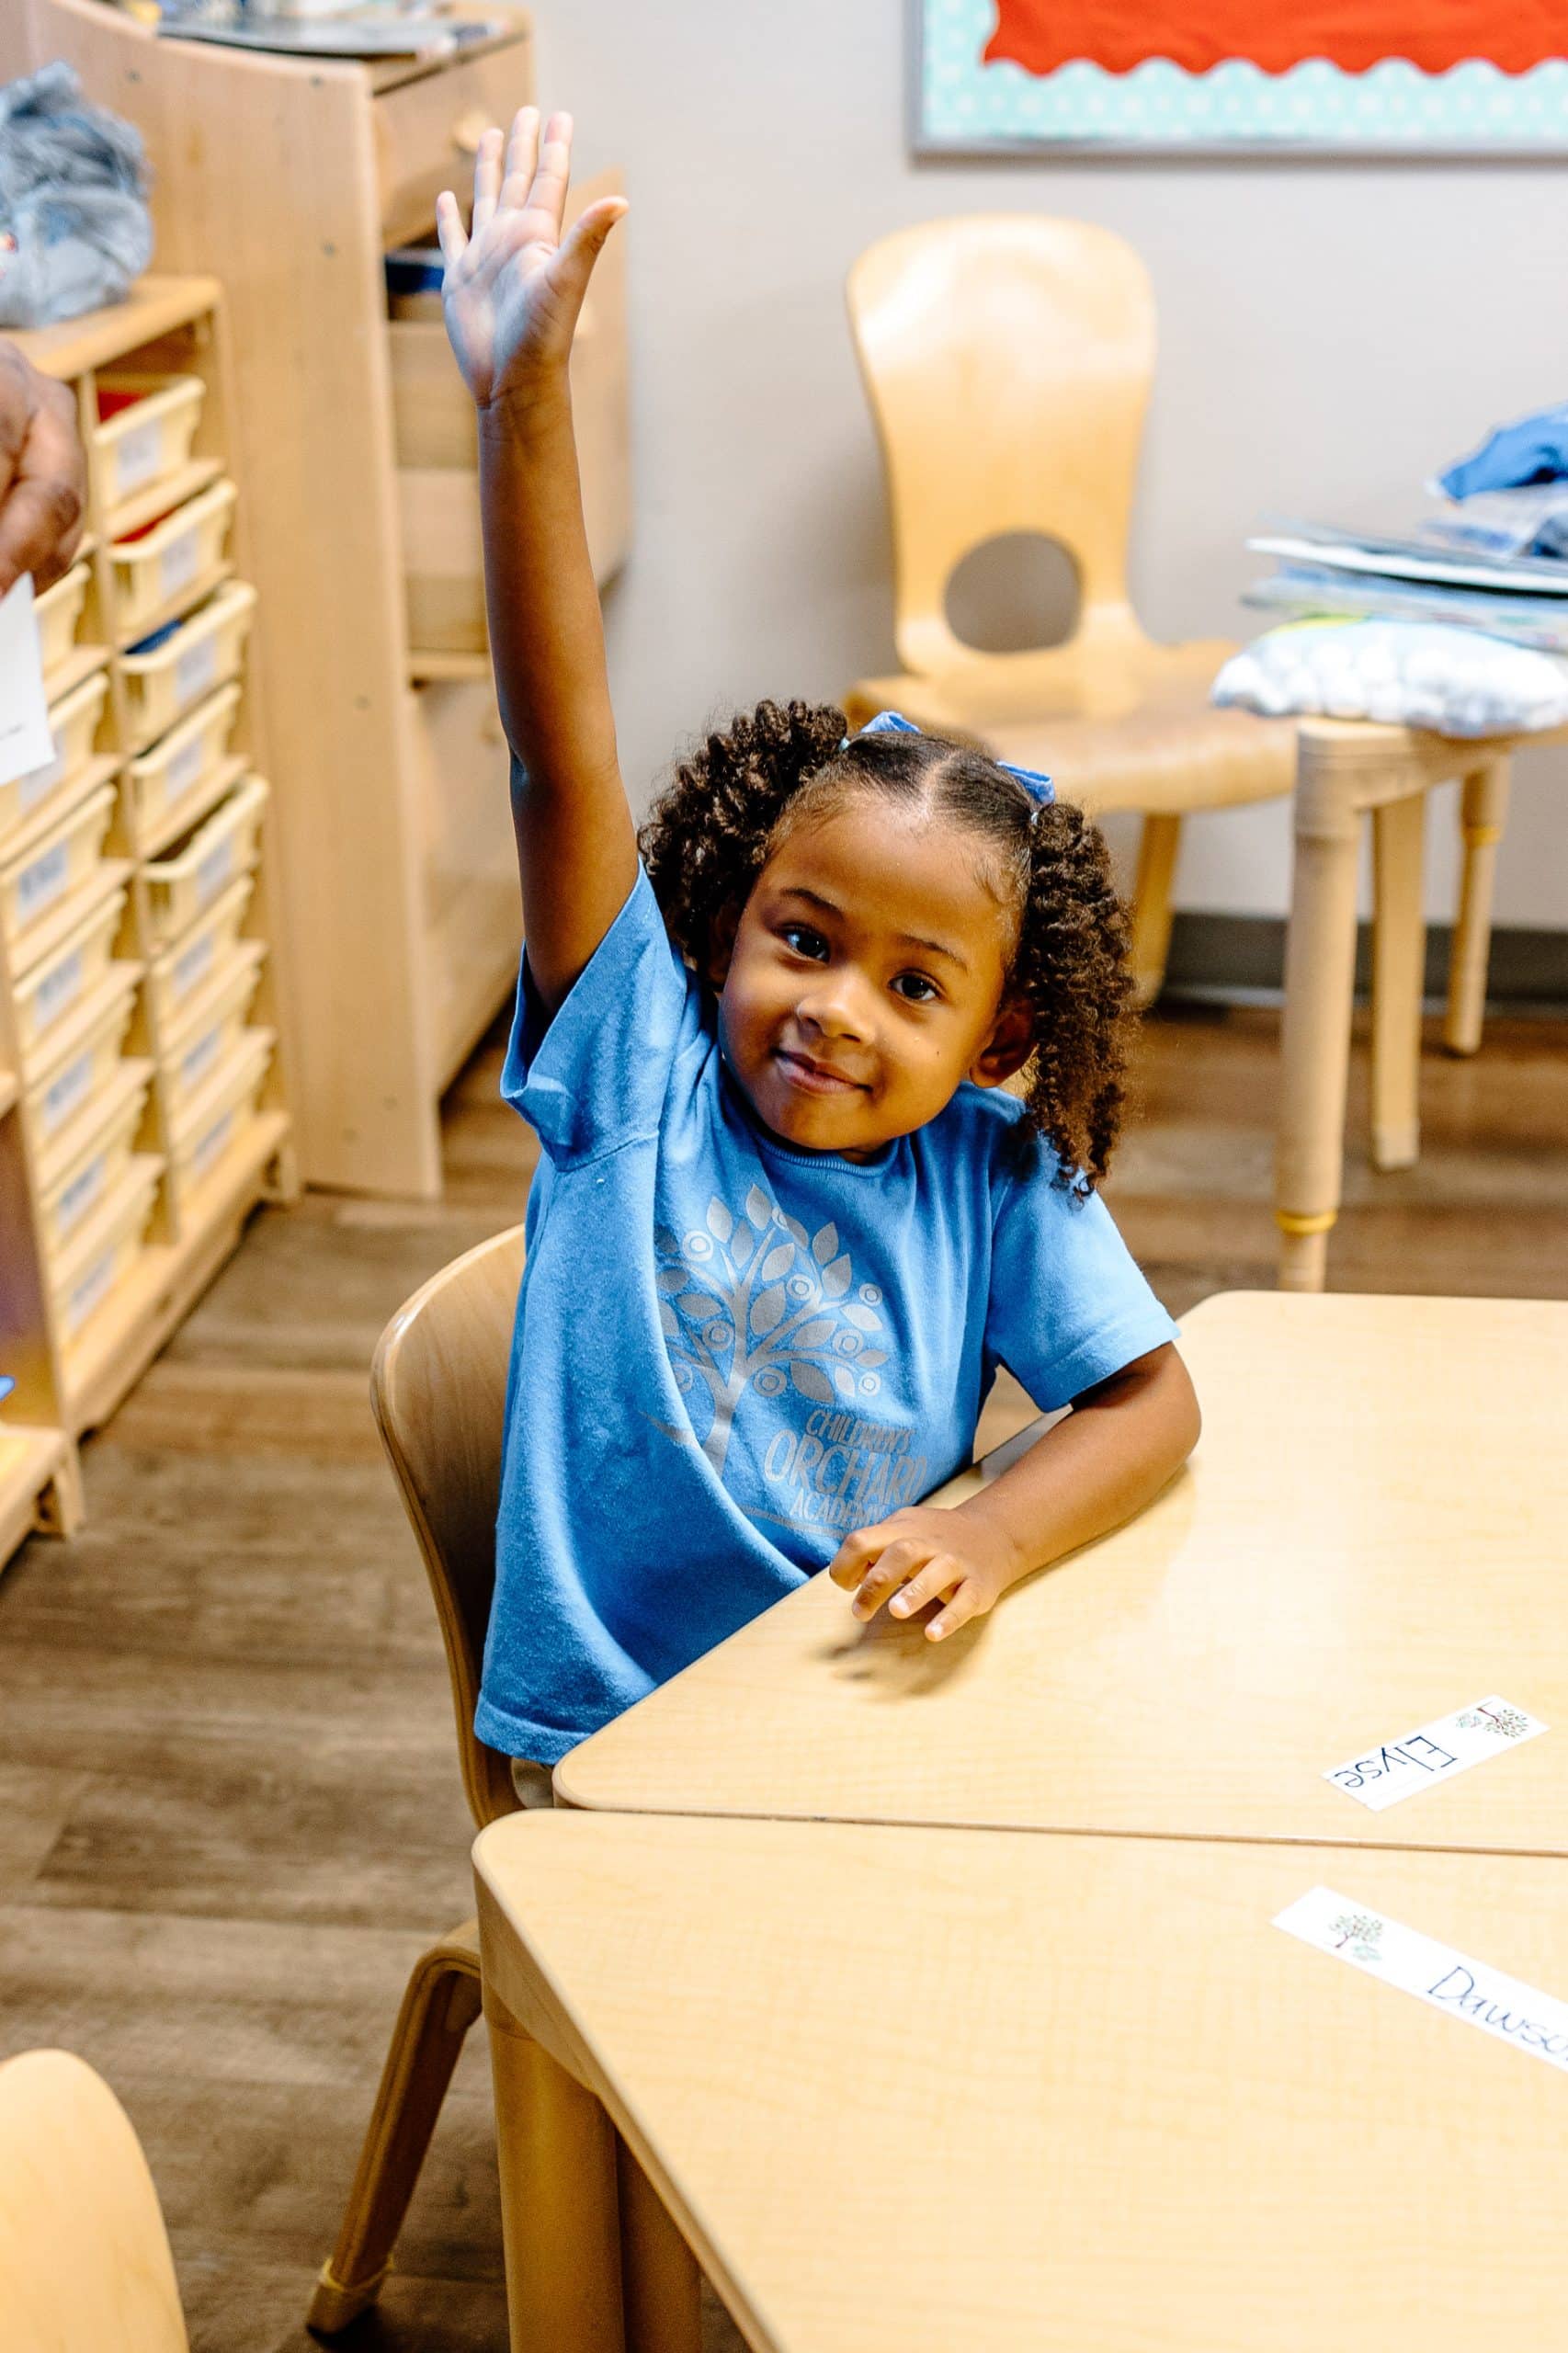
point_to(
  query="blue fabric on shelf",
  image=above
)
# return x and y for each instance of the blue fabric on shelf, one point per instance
(1533, 448)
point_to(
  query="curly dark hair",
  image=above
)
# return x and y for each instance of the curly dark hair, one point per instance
(726, 808)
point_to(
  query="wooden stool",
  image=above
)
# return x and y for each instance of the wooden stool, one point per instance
(1348, 769)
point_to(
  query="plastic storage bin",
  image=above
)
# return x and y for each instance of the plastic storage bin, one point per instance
(204, 1039)
(75, 1182)
(66, 976)
(57, 863)
(147, 426)
(74, 722)
(219, 1114)
(175, 978)
(72, 1074)
(105, 1248)
(190, 756)
(174, 669)
(59, 612)
(181, 888)
(167, 558)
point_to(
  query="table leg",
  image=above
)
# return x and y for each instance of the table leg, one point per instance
(559, 2216)
(662, 2283)
(1399, 956)
(1320, 982)
(1483, 812)
(1157, 846)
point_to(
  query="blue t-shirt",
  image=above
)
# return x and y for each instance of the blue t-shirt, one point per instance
(730, 1353)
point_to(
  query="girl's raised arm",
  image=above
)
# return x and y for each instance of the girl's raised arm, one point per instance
(513, 288)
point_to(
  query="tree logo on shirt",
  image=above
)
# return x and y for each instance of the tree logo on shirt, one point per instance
(754, 1301)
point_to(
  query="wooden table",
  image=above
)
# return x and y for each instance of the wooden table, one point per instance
(940, 2089)
(1374, 1532)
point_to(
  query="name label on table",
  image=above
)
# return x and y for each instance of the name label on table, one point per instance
(1452, 1982)
(1436, 1752)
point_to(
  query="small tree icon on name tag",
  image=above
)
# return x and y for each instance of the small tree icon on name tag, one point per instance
(1360, 1930)
(1507, 1721)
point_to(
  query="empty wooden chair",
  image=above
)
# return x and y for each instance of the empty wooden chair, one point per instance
(85, 2261)
(1008, 359)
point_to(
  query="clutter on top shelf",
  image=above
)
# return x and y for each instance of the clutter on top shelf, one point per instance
(75, 228)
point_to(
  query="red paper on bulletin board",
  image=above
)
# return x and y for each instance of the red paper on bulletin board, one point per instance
(1416, 77)
(1433, 35)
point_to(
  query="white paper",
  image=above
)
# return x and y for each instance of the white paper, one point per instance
(1470, 1990)
(26, 742)
(1433, 1752)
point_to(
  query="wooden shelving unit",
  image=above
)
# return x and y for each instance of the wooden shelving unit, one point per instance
(142, 1104)
(290, 179)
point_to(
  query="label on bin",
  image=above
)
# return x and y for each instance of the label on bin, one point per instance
(197, 1060)
(137, 457)
(191, 967)
(40, 884)
(60, 988)
(212, 1144)
(177, 565)
(80, 1194)
(196, 669)
(63, 1096)
(213, 870)
(185, 768)
(88, 1291)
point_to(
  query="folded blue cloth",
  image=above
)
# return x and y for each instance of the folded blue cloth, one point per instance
(1533, 449)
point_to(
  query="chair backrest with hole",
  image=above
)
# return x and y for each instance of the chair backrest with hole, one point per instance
(438, 1389)
(1008, 359)
(84, 2255)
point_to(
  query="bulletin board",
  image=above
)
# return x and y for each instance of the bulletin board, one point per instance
(1317, 76)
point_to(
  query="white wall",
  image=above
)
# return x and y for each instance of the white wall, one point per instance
(1329, 335)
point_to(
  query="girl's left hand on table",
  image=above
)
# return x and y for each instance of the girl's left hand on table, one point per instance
(921, 1555)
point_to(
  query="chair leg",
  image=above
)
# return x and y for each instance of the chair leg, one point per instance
(440, 2004)
(1399, 944)
(660, 2285)
(1157, 847)
(1483, 813)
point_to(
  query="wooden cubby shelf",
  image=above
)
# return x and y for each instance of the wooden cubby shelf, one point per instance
(142, 1113)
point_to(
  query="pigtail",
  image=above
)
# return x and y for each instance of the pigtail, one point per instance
(1072, 970)
(706, 837)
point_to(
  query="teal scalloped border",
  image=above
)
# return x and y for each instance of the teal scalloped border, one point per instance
(964, 104)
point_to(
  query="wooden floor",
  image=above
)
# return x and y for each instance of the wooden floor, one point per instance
(228, 1809)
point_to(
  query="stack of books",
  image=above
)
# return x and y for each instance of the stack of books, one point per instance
(1462, 568)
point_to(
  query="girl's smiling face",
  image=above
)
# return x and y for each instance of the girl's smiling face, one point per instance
(867, 979)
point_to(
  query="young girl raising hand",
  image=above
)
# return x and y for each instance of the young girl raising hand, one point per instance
(787, 1224)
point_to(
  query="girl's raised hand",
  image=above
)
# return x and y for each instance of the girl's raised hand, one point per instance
(513, 285)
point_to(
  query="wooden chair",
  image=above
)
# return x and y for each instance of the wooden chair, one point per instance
(438, 1391)
(85, 2261)
(1008, 359)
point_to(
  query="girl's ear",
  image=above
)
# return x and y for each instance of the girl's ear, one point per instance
(722, 944)
(1007, 1049)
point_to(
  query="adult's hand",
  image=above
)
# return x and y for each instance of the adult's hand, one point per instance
(43, 474)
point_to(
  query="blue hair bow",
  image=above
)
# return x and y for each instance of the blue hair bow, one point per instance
(892, 723)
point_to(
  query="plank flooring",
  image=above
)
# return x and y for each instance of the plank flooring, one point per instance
(229, 1812)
